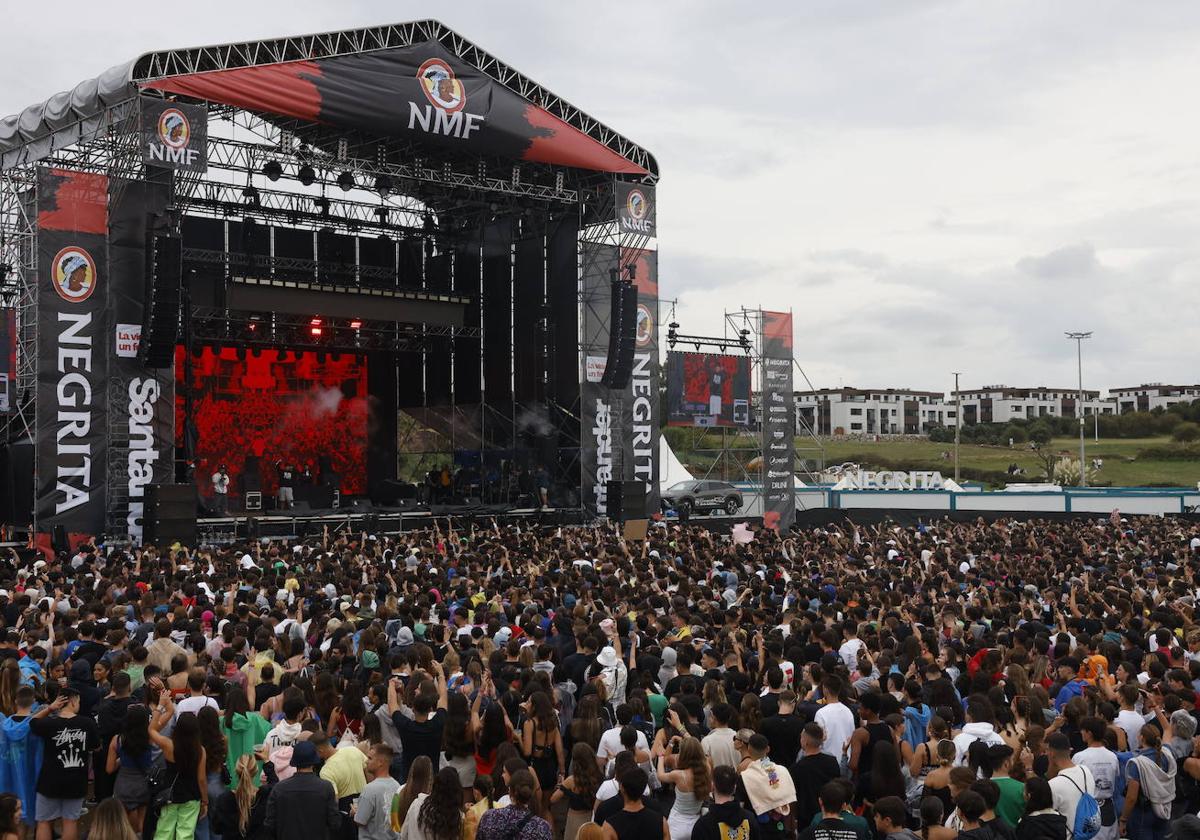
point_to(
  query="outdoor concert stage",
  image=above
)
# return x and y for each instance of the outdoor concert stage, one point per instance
(356, 257)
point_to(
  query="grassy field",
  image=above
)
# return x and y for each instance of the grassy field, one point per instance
(1121, 467)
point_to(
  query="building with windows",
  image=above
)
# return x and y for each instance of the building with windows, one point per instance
(880, 411)
(1002, 404)
(1153, 395)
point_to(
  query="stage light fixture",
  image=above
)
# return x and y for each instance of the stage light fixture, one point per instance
(307, 175)
(315, 322)
(383, 185)
(315, 332)
(250, 193)
(322, 205)
(356, 324)
(273, 170)
(346, 181)
(381, 213)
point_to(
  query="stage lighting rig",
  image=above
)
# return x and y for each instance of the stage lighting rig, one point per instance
(383, 185)
(307, 175)
(273, 170)
(346, 181)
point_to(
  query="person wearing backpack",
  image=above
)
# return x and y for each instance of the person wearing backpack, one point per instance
(726, 818)
(1074, 790)
(1149, 790)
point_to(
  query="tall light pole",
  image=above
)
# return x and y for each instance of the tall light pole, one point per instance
(958, 418)
(1078, 338)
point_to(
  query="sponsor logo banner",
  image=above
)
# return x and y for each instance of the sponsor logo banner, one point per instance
(142, 399)
(72, 353)
(636, 210)
(620, 428)
(174, 135)
(778, 422)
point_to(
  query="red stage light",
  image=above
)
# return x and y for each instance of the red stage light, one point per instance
(355, 324)
(316, 331)
(316, 322)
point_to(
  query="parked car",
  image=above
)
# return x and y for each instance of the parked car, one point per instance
(703, 497)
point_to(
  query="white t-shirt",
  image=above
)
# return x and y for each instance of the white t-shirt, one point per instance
(1132, 723)
(610, 745)
(194, 705)
(849, 652)
(1104, 766)
(1067, 787)
(220, 482)
(837, 721)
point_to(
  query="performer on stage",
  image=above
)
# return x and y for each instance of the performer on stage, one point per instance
(220, 483)
(287, 481)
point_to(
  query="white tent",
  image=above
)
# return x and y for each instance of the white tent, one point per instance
(670, 470)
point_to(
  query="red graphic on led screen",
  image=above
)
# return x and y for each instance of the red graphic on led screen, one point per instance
(293, 408)
(704, 389)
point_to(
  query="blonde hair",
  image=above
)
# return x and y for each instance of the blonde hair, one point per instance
(590, 831)
(247, 772)
(108, 822)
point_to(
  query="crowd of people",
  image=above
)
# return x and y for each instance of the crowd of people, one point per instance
(1012, 680)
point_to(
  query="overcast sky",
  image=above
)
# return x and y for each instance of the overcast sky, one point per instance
(928, 186)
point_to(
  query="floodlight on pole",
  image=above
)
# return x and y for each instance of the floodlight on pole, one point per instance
(1078, 338)
(958, 417)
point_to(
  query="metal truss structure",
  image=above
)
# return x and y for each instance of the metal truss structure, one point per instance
(395, 189)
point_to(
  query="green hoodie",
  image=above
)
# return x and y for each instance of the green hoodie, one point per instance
(246, 733)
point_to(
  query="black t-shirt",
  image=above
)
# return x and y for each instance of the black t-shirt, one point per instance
(68, 742)
(424, 738)
(637, 825)
(769, 704)
(285, 478)
(832, 829)
(783, 734)
(264, 692)
(808, 775)
(614, 804)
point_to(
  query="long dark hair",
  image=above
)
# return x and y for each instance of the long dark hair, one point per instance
(135, 731)
(585, 771)
(215, 748)
(8, 814)
(456, 738)
(542, 711)
(493, 731)
(886, 779)
(420, 775)
(187, 744)
(235, 701)
(441, 817)
(586, 726)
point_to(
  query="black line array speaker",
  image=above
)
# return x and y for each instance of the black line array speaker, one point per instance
(626, 500)
(160, 316)
(170, 514)
(622, 335)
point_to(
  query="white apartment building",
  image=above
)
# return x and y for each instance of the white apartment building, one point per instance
(881, 411)
(1001, 404)
(1153, 395)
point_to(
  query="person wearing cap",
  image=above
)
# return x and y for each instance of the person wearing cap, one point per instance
(303, 805)
(1073, 684)
(1070, 780)
(67, 739)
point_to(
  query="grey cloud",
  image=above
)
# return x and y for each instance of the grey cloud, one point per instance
(1071, 261)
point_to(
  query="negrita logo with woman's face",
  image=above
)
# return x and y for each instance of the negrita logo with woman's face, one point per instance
(74, 274)
(174, 130)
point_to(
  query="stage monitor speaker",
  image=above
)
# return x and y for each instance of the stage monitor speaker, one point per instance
(626, 500)
(160, 317)
(622, 335)
(253, 500)
(170, 514)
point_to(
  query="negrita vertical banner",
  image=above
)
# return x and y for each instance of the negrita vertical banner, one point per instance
(778, 424)
(72, 354)
(141, 400)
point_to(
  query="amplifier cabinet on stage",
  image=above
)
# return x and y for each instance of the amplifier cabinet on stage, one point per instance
(626, 500)
(170, 514)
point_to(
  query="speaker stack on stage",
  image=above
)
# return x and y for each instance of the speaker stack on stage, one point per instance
(170, 514)
(164, 274)
(626, 500)
(622, 334)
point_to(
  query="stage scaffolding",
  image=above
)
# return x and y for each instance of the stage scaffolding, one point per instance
(435, 197)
